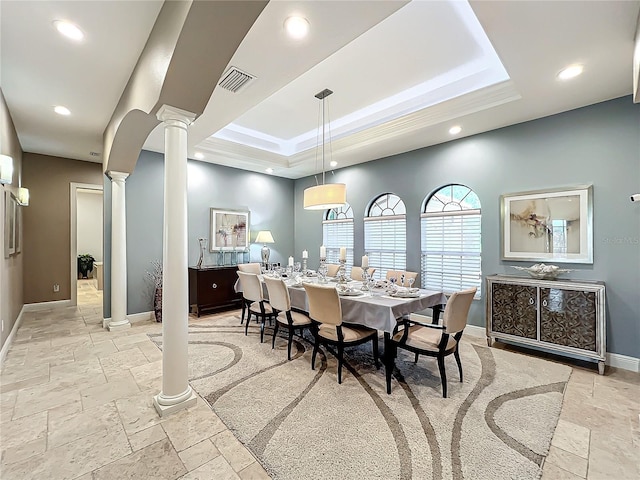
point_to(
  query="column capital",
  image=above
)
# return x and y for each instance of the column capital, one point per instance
(117, 176)
(167, 112)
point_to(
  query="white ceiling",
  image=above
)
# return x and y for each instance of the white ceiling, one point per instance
(403, 74)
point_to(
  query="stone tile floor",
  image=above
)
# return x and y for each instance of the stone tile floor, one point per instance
(76, 403)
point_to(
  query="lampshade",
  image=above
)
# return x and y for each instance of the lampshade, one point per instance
(323, 197)
(264, 236)
(23, 196)
(6, 169)
(326, 195)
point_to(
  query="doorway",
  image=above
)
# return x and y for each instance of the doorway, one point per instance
(87, 241)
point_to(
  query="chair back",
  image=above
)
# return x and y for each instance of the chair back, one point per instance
(251, 286)
(456, 311)
(398, 274)
(250, 268)
(324, 304)
(356, 272)
(332, 269)
(278, 294)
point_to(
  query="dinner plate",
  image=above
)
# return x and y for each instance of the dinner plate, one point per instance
(405, 294)
(350, 293)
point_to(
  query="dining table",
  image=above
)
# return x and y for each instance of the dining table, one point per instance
(374, 307)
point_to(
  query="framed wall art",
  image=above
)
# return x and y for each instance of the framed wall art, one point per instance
(10, 225)
(229, 230)
(548, 225)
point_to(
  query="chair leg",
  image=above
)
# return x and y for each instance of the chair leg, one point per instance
(375, 351)
(340, 353)
(273, 340)
(289, 343)
(244, 309)
(246, 325)
(390, 352)
(262, 330)
(316, 345)
(443, 376)
(457, 355)
(416, 359)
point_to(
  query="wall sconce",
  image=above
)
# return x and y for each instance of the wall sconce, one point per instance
(6, 169)
(23, 197)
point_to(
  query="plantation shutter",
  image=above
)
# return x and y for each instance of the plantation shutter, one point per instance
(451, 251)
(385, 241)
(336, 234)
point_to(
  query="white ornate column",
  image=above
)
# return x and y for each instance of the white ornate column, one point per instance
(119, 318)
(176, 392)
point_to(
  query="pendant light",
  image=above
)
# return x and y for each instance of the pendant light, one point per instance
(326, 195)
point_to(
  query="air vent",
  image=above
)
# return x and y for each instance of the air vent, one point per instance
(234, 79)
(94, 154)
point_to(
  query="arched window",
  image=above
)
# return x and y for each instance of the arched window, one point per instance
(337, 231)
(451, 247)
(385, 234)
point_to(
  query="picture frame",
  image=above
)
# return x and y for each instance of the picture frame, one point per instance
(229, 230)
(554, 225)
(10, 234)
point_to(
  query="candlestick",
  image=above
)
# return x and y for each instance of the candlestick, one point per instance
(343, 253)
(365, 261)
(291, 261)
(305, 254)
(323, 253)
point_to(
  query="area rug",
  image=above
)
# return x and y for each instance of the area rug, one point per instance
(301, 424)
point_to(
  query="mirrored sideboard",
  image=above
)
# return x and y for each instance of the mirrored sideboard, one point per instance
(565, 317)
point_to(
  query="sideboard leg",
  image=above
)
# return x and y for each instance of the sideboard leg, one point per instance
(601, 367)
(490, 341)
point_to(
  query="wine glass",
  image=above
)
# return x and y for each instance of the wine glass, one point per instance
(392, 284)
(411, 280)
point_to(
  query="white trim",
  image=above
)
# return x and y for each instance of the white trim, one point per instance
(35, 307)
(9, 340)
(73, 217)
(623, 361)
(133, 318)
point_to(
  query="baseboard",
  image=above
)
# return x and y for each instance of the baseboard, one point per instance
(133, 318)
(475, 331)
(9, 340)
(35, 307)
(623, 361)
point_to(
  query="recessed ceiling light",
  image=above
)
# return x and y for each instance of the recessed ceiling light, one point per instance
(69, 30)
(269, 170)
(333, 163)
(198, 156)
(60, 110)
(570, 72)
(455, 130)
(296, 27)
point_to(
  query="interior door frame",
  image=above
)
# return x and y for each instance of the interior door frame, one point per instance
(73, 199)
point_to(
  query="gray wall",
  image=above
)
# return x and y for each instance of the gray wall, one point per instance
(597, 145)
(269, 200)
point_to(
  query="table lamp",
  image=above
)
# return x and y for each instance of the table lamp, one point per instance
(264, 237)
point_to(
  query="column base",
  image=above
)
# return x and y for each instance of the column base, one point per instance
(119, 325)
(190, 399)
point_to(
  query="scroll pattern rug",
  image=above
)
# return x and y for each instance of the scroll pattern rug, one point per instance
(301, 424)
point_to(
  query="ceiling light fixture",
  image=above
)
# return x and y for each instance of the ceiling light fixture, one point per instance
(571, 71)
(296, 27)
(269, 170)
(327, 195)
(60, 110)
(333, 163)
(455, 130)
(69, 30)
(198, 156)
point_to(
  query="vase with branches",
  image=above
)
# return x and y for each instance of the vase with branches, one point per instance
(154, 276)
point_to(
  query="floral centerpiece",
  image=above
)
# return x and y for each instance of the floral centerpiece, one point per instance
(544, 272)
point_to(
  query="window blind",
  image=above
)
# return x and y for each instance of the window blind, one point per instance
(451, 251)
(385, 241)
(336, 234)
